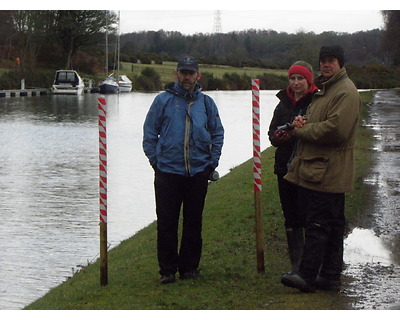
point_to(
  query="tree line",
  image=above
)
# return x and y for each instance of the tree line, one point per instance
(54, 38)
(258, 48)
(269, 48)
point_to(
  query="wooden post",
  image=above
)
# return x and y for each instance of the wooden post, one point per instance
(103, 190)
(103, 254)
(255, 84)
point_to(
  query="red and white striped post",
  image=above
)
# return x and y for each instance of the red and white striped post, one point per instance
(102, 112)
(255, 86)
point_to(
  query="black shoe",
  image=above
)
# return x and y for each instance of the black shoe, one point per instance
(168, 278)
(190, 275)
(327, 284)
(293, 280)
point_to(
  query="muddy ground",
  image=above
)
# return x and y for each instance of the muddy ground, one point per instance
(372, 250)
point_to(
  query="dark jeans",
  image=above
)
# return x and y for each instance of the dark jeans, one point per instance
(173, 192)
(288, 194)
(324, 233)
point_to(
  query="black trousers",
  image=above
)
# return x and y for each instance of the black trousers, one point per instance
(174, 192)
(288, 195)
(324, 234)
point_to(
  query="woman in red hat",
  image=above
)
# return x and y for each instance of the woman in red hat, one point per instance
(293, 101)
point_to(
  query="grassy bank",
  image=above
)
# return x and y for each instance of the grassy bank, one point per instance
(228, 263)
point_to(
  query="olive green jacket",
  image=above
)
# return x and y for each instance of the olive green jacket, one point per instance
(324, 156)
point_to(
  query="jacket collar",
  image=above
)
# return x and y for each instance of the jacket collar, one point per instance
(323, 83)
(175, 88)
(287, 96)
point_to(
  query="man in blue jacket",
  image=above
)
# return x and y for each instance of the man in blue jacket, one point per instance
(183, 138)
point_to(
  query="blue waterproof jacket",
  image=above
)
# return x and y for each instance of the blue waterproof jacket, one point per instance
(183, 133)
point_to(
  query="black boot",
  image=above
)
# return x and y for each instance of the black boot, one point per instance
(295, 239)
(293, 280)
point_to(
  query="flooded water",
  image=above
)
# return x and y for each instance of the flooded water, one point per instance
(372, 250)
(49, 180)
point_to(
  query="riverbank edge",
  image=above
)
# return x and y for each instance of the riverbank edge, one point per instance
(230, 280)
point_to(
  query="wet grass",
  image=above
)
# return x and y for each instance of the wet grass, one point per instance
(364, 159)
(231, 280)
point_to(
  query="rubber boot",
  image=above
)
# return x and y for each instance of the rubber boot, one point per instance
(295, 239)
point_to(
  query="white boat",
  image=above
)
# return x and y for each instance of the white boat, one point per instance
(109, 85)
(124, 83)
(67, 82)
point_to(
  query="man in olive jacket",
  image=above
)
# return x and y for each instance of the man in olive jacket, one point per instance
(323, 168)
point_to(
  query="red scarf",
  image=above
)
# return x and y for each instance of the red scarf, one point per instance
(290, 94)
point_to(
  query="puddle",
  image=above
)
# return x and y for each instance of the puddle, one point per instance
(363, 246)
(372, 250)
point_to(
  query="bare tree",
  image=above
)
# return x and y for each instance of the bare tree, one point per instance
(392, 34)
(32, 30)
(78, 28)
(7, 34)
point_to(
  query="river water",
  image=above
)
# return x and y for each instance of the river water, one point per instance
(49, 180)
(49, 189)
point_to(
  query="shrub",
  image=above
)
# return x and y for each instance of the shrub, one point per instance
(148, 80)
(272, 82)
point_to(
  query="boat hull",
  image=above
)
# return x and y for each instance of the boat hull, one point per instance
(109, 85)
(56, 89)
(106, 88)
(125, 88)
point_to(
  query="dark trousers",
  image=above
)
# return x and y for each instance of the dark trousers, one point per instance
(288, 194)
(324, 233)
(173, 192)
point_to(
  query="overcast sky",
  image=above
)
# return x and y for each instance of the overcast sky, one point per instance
(292, 16)
(292, 21)
(198, 16)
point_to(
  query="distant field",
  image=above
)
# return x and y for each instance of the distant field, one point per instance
(166, 70)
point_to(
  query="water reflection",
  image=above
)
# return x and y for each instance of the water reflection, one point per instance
(363, 246)
(47, 195)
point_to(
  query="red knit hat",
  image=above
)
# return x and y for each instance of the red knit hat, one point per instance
(302, 71)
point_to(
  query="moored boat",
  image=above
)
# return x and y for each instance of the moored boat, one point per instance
(109, 85)
(67, 82)
(124, 83)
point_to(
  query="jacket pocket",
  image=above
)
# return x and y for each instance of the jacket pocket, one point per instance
(312, 169)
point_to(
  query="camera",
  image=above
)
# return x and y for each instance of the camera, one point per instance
(286, 127)
(214, 176)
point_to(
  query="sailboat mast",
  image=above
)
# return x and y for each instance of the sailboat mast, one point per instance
(106, 67)
(118, 42)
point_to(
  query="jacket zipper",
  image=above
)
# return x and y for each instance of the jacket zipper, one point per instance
(186, 151)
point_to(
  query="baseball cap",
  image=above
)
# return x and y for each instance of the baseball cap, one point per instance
(187, 63)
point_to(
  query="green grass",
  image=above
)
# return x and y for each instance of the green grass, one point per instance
(166, 70)
(231, 280)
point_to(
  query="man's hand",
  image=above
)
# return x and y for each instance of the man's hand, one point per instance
(299, 121)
